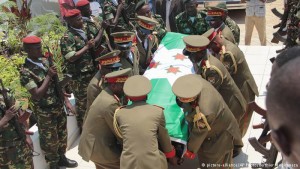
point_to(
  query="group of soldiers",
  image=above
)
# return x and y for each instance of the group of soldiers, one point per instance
(107, 57)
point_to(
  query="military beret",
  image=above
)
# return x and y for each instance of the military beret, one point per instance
(109, 58)
(140, 4)
(72, 13)
(119, 76)
(81, 3)
(31, 40)
(195, 43)
(146, 22)
(187, 87)
(137, 87)
(210, 34)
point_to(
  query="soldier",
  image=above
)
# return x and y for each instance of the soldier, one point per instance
(212, 127)
(142, 137)
(191, 21)
(36, 77)
(146, 41)
(129, 53)
(79, 61)
(216, 16)
(14, 149)
(234, 61)
(143, 9)
(98, 142)
(212, 70)
(107, 63)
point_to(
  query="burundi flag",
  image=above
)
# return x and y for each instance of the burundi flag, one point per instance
(167, 65)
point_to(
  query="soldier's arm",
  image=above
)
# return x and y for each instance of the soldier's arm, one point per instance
(109, 117)
(229, 62)
(9, 114)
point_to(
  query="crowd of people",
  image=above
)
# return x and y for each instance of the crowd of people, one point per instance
(107, 56)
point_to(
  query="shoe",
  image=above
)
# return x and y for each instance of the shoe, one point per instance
(65, 162)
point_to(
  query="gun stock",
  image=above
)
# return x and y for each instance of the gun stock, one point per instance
(258, 147)
(253, 106)
(276, 13)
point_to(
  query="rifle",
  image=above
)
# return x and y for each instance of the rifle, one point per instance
(260, 145)
(276, 13)
(59, 85)
(8, 103)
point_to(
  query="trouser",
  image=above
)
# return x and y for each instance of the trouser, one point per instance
(16, 155)
(260, 25)
(80, 86)
(107, 165)
(52, 125)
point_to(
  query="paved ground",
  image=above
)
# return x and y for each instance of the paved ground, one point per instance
(271, 20)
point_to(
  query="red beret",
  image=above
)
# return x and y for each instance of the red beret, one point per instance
(81, 3)
(31, 39)
(72, 13)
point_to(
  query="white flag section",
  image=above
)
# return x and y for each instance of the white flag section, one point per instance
(167, 65)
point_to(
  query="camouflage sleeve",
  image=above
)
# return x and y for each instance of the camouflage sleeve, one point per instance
(234, 29)
(27, 81)
(229, 62)
(68, 48)
(160, 28)
(177, 22)
(108, 11)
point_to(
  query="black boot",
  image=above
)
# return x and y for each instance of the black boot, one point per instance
(65, 162)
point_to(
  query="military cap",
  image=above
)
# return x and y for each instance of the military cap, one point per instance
(210, 34)
(119, 76)
(123, 39)
(72, 13)
(82, 3)
(194, 43)
(109, 58)
(31, 40)
(188, 1)
(187, 87)
(215, 9)
(140, 4)
(146, 22)
(137, 87)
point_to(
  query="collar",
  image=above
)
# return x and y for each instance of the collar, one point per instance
(80, 32)
(39, 64)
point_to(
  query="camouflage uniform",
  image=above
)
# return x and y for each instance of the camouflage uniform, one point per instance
(82, 69)
(235, 29)
(14, 152)
(51, 119)
(186, 26)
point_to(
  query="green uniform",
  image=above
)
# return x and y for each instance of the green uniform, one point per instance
(160, 28)
(213, 146)
(226, 33)
(98, 142)
(234, 28)
(191, 26)
(236, 64)
(146, 54)
(51, 119)
(82, 69)
(14, 152)
(142, 137)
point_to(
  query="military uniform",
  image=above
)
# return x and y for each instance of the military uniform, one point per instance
(160, 29)
(108, 61)
(83, 69)
(234, 27)
(216, 13)
(147, 46)
(212, 70)
(212, 126)
(14, 152)
(196, 26)
(142, 137)
(129, 53)
(234, 61)
(51, 119)
(98, 142)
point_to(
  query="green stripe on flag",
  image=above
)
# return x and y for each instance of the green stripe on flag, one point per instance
(173, 40)
(162, 95)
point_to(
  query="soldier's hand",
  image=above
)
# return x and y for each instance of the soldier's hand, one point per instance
(173, 160)
(52, 71)
(29, 141)
(10, 113)
(104, 24)
(70, 108)
(90, 43)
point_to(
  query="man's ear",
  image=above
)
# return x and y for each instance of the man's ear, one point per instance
(282, 140)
